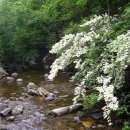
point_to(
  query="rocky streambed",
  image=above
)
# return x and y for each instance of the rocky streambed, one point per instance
(34, 103)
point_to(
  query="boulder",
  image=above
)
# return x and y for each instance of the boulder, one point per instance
(33, 92)
(10, 79)
(15, 75)
(19, 80)
(46, 77)
(55, 92)
(42, 91)
(31, 86)
(5, 112)
(10, 118)
(17, 109)
(77, 120)
(50, 97)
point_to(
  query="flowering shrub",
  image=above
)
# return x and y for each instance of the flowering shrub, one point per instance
(99, 60)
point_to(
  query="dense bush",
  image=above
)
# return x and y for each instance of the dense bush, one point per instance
(100, 59)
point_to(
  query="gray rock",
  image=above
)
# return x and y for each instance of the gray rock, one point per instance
(10, 79)
(10, 118)
(33, 92)
(46, 77)
(77, 120)
(55, 92)
(49, 98)
(51, 95)
(97, 116)
(5, 112)
(42, 91)
(15, 75)
(19, 80)
(31, 86)
(17, 109)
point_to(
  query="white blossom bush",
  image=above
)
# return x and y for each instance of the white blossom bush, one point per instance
(100, 60)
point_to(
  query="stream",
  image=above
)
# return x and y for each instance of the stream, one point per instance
(35, 112)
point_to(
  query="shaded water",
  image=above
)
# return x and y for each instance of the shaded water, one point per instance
(60, 84)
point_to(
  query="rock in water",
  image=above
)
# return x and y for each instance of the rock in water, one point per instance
(15, 75)
(50, 97)
(97, 116)
(42, 91)
(31, 86)
(10, 79)
(33, 92)
(17, 109)
(19, 80)
(10, 118)
(77, 119)
(5, 112)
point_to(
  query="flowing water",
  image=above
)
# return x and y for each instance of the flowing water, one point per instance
(62, 85)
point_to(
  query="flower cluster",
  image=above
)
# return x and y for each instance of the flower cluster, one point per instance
(99, 60)
(78, 92)
(115, 59)
(106, 91)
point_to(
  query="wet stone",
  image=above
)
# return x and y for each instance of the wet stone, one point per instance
(19, 80)
(97, 116)
(17, 110)
(15, 75)
(49, 98)
(33, 92)
(55, 92)
(51, 95)
(77, 120)
(5, 112)
(11, 79)
(10, 118)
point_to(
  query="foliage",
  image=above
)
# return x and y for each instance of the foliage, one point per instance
(30, 27)
(90, 100)
(126, 126)
(99, 59)
(122, 110)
